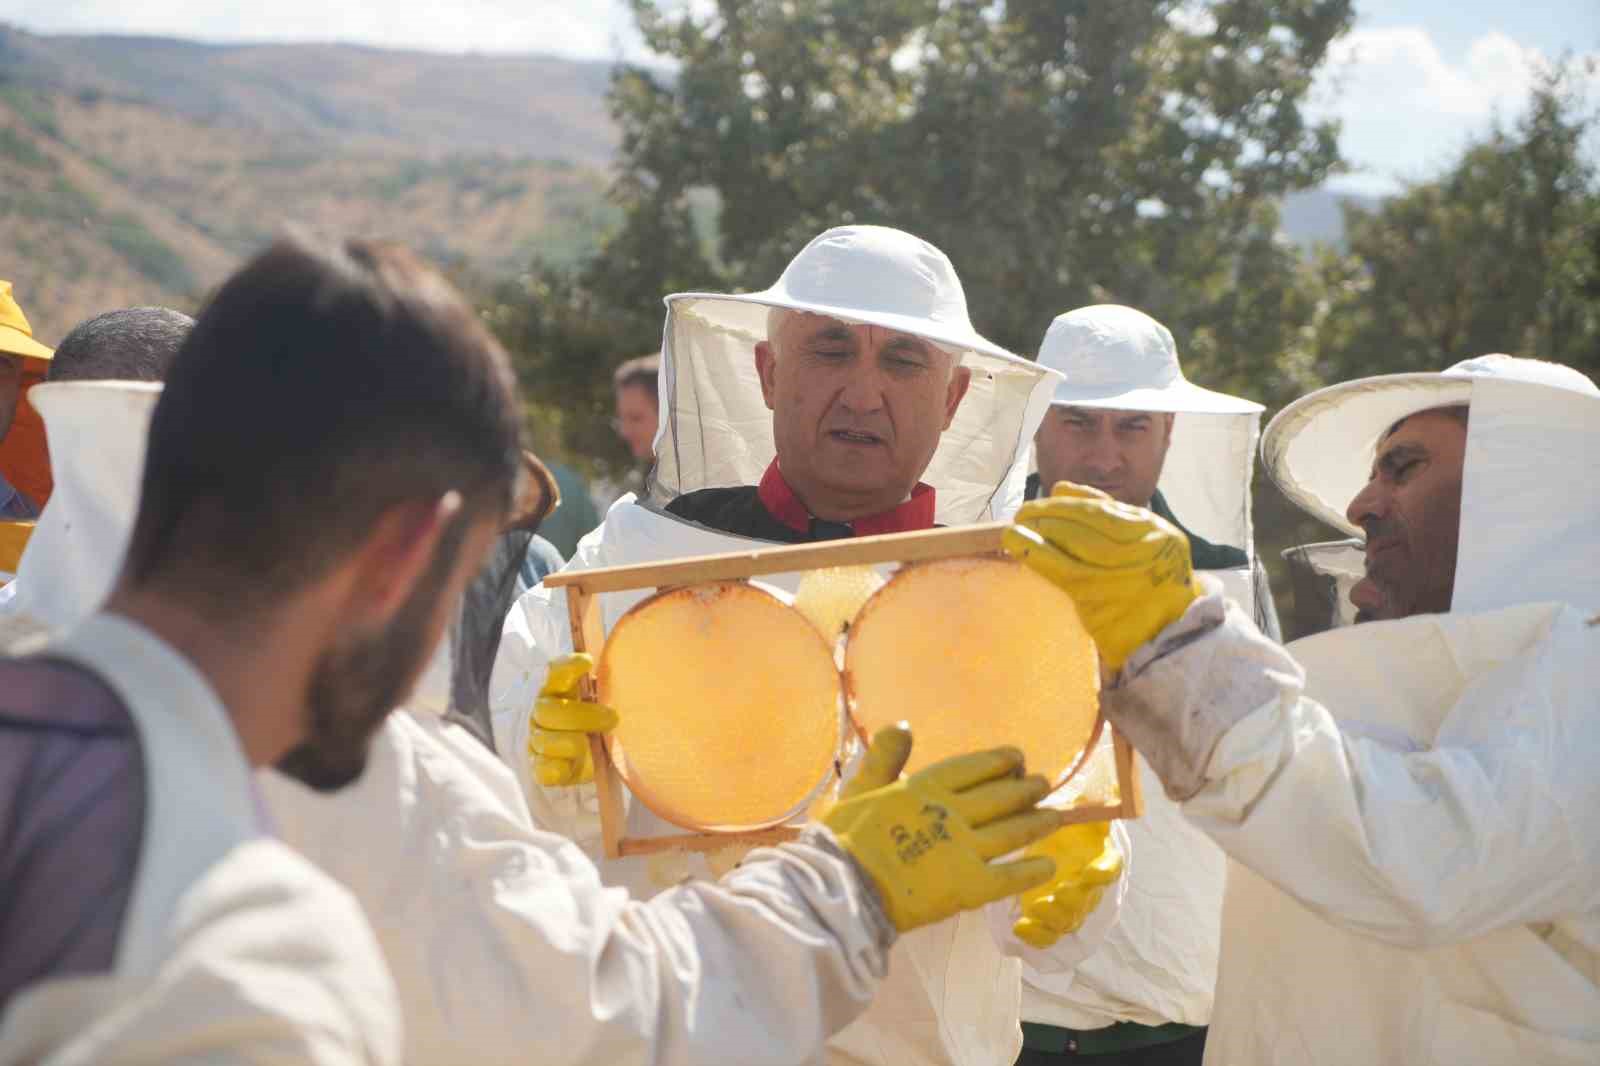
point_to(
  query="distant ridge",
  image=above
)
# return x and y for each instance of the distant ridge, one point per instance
(535, 106)
(139, 170)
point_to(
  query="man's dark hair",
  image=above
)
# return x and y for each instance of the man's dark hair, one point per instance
(134, 344)
(1459, 411)
(322, 385)
(639, 373)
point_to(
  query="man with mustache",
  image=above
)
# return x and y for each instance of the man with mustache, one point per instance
(291, 567)
(850, 398)
(1409, 804)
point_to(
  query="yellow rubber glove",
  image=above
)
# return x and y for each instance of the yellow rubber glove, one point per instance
(927, 840)
(1087, 860)
(1127, 569)
(558, 737)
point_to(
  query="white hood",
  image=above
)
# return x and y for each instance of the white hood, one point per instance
(96, 431)
(716, 431)
(1530, 498)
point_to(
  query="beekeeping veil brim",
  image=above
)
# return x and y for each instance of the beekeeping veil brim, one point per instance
(1530, 495)
(716, 430)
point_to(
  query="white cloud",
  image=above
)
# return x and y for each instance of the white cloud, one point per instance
(1406, 109)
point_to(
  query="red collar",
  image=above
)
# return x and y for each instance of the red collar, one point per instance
(781, 502)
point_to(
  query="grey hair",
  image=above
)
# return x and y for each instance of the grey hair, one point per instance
(134, 344)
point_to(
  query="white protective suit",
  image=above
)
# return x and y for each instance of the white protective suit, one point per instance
(951, 995)
(504, 945)
(1410, 805)
(1158, 963)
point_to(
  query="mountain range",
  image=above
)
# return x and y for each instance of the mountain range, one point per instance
(138, 170)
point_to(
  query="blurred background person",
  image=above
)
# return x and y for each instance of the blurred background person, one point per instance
(638, 405)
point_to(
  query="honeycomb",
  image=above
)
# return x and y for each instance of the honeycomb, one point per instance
(974, 653)
(729, 705)
(831, 596)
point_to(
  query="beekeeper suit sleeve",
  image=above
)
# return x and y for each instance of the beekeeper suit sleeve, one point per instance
(1415, 833)
(507, 948)
(260, 971)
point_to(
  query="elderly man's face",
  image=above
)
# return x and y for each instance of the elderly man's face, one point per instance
(856, 411)
(1118, 452)
(1411, 511)
(10, 390)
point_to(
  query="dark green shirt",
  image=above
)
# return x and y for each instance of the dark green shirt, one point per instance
(1203, 554)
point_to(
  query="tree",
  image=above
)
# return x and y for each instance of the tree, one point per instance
(1501, 253)
(1063, 152)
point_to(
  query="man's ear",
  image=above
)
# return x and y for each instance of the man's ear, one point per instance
(960, 379)
(397, 551)
(767, 370)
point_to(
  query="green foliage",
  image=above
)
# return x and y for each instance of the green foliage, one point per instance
(1501, 253)
(146, 253)
(565, 342)
(1062, 153)
(32, 106)
(17, 147)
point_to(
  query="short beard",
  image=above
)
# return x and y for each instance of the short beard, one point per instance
(357, 682)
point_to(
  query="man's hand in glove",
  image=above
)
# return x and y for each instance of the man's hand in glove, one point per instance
(1087, 860)
(558, 742)
(1127, 570)
(927, 841)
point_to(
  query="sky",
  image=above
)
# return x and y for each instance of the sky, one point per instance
(1411, 83)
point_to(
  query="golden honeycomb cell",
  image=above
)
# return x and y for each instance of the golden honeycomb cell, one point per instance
(831, 596)
(729, 705)
(975, 653)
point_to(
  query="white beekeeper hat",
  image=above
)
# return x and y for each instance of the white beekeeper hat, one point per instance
(1119, 358)
(716, 430)
(1319, 449)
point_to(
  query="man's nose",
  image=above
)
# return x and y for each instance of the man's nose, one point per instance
(1103, 456)
(1372, 502)
(862, 393)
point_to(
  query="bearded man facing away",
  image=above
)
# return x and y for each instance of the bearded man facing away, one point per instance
(290, 570)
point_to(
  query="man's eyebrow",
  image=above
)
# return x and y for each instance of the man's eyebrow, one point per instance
(830, 334)
(1400, 453)
(905, 342)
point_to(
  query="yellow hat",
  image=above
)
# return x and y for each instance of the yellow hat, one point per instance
(16, 336)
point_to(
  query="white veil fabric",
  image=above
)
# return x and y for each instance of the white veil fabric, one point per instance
(96, 432)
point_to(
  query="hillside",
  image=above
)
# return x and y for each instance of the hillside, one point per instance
(142, 170)
(138, 170)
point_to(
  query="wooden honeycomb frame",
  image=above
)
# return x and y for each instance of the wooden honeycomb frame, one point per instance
(583, 586)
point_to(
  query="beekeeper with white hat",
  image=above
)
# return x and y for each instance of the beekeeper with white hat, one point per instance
(852, 397)
(502, 941)
(1125, 420)
(1410, 804)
